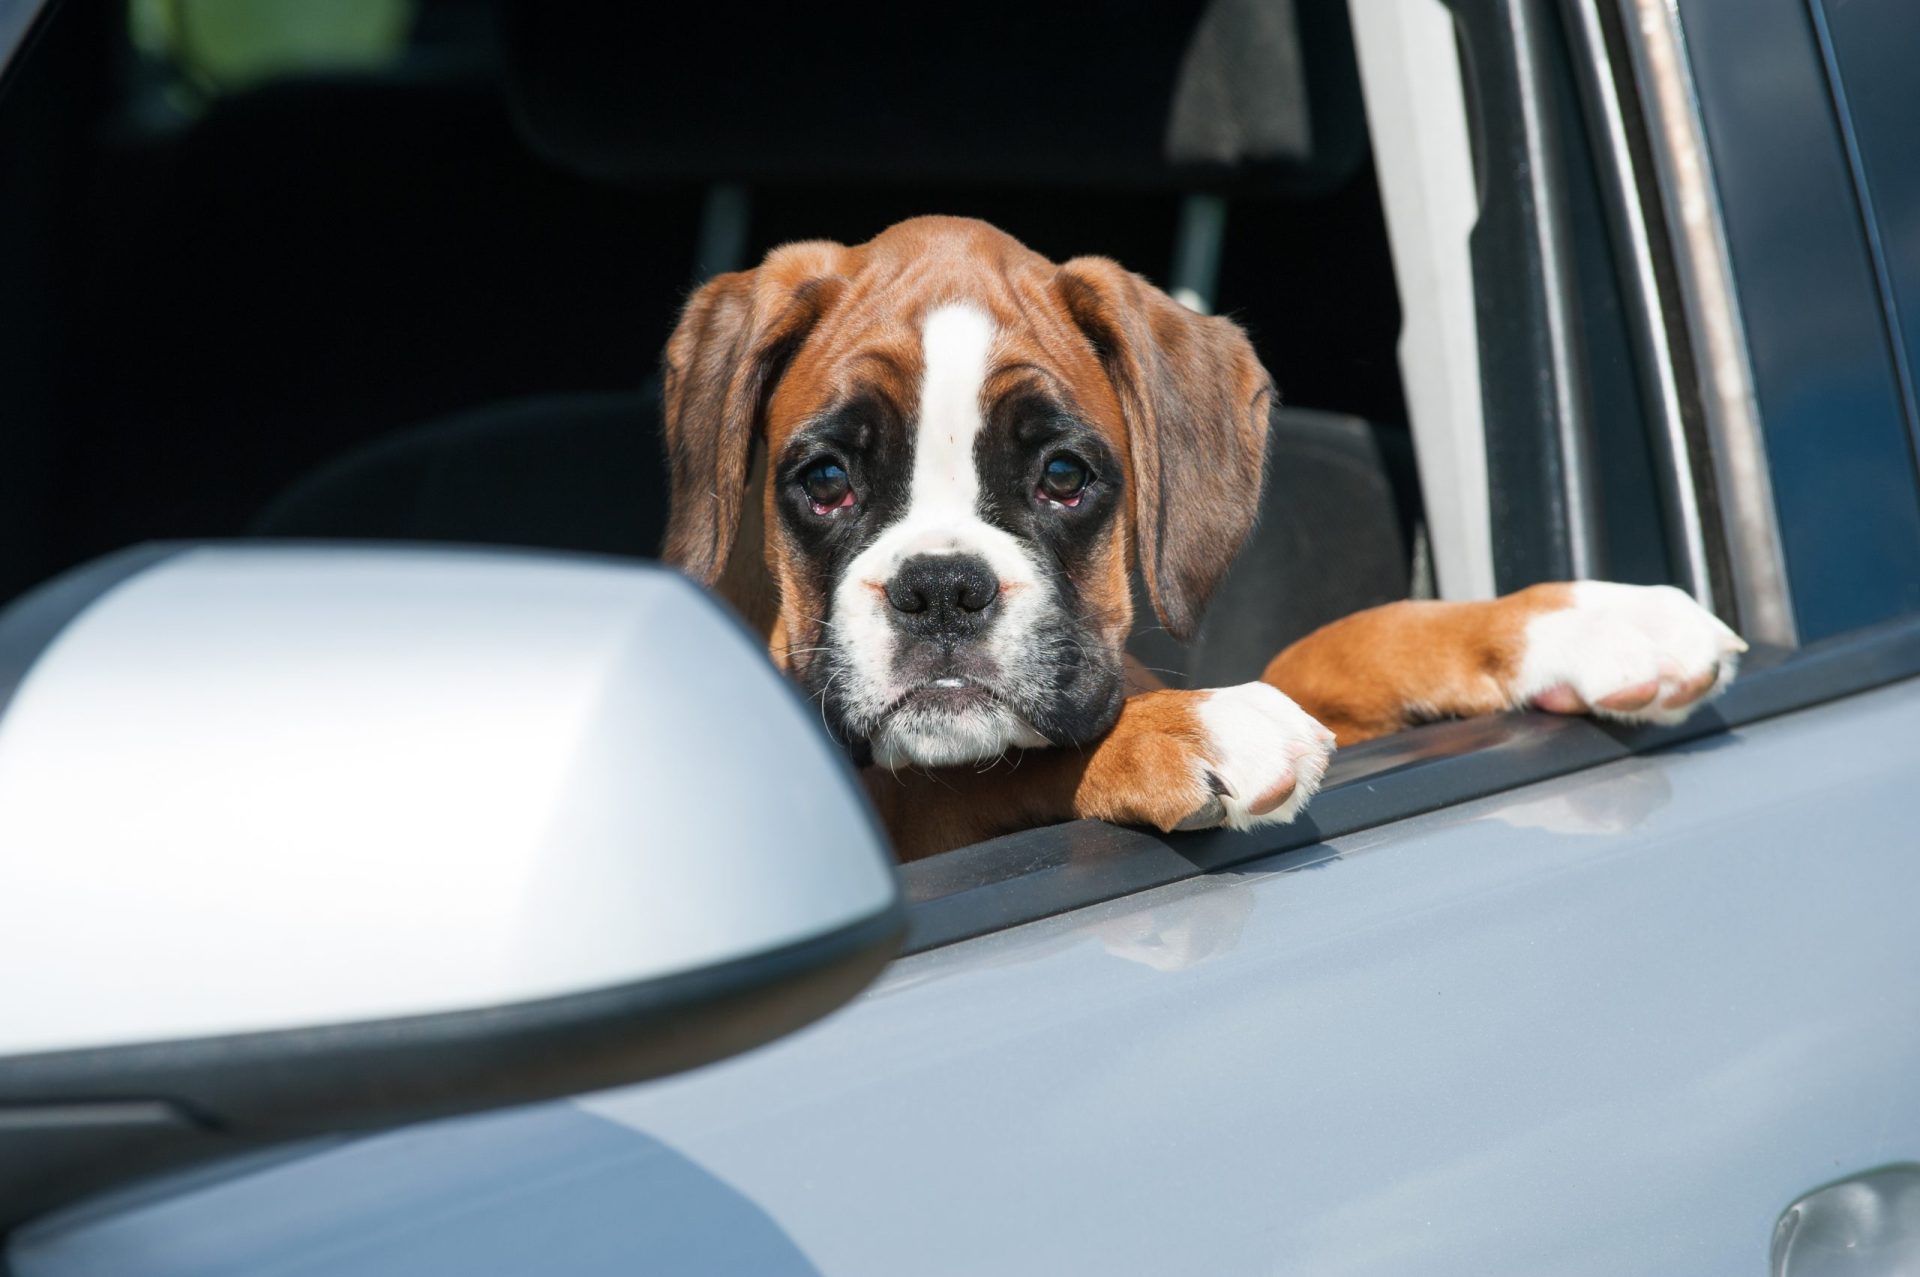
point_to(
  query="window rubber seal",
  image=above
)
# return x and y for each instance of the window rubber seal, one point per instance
(1038, 873)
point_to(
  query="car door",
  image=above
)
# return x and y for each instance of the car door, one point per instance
(1610, 1022)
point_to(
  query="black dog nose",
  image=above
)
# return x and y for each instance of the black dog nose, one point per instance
(942, 594)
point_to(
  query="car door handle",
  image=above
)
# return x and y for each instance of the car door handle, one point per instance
(1867, 1225)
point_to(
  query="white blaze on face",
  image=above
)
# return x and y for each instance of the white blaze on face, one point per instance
(955, 342)
(942, 517)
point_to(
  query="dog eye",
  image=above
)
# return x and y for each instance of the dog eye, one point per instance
(1064, 478)
(828, 486)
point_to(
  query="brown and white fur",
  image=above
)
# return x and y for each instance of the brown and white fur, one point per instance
(874, 451)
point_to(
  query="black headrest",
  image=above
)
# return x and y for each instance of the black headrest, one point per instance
(1227, 94)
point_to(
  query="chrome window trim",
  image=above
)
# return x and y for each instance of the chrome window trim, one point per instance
(1646, 316)
(1656, 45)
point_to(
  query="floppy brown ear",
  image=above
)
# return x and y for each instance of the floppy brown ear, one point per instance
(722, 363)
(1196, 402)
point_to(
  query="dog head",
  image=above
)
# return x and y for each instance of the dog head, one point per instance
(965, 448)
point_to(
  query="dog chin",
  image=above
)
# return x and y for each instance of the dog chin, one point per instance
(936, 736)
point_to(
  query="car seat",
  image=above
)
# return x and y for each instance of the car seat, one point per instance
(1185, 108)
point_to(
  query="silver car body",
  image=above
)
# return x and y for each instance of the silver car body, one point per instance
(1611, 1023)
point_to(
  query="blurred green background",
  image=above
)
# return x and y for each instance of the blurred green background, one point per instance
(224, 46)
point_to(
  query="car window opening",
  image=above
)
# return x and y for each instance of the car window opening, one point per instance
(404, 273)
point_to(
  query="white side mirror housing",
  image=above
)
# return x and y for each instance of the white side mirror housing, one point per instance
(309, 838)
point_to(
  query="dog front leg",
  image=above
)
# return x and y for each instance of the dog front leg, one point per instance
(1236, 756)
(1630, 652)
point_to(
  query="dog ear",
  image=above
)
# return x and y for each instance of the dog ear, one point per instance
(1196, 402)
(735, 338)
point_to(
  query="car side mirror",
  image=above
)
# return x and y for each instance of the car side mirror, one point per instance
(308, 838)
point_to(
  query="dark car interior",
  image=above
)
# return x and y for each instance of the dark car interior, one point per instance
(425, 299)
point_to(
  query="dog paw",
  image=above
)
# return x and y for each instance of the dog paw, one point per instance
(1265, 757)
(1636, 653)
(1237, 756)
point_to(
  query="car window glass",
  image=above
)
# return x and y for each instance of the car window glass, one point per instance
(1880, 99)
(1831, 405)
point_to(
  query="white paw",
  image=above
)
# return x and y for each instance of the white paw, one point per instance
(1264, 757)
(1638, 653)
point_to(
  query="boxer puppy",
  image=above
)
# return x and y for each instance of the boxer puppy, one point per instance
(924, 466)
